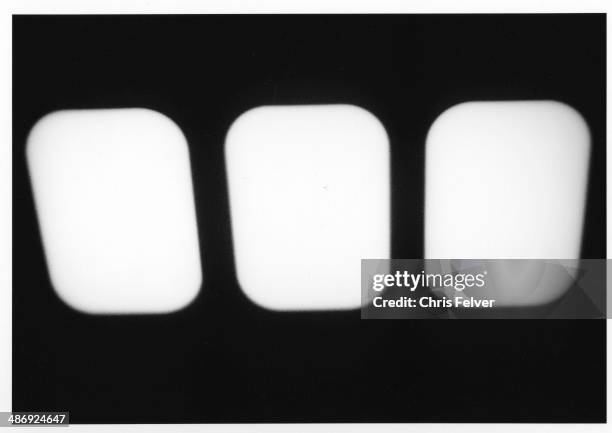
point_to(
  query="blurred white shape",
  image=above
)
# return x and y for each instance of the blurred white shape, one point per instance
(310, 197)
(115, 204)
(507, 180)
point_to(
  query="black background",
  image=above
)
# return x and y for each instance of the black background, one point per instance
(222, 359)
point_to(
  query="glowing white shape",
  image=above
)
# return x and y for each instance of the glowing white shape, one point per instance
(115, 205)
(309, 195)
(507, 180)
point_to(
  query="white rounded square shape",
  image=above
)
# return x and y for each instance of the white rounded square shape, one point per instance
(310, 197)
(507, 180)
(115, 205)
